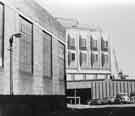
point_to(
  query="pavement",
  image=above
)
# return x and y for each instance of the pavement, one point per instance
(80, 106)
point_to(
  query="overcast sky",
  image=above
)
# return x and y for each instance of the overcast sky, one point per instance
(116, 17)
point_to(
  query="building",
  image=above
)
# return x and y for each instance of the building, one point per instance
(87, 59)
(38, 56)
(88, 65)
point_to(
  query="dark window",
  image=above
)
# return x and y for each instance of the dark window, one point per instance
(71, 42)
(93, 44)
(26, 46)
(83, 58)
(82, 43)
(47, 48)
(94, 59)
(104, 60)
(104, 44)
(1, 35)
(71, 57)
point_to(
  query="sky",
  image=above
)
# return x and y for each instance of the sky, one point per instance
(115, 17)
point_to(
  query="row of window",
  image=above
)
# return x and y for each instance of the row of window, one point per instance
(73, 77)
(26, 48)
(83, 59)
(83, 43)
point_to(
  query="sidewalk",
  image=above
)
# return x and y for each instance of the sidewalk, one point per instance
(79, 106)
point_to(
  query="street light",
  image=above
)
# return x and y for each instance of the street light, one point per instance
(11, 62)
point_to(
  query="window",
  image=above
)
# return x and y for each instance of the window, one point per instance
(104, 45)
(104, 60)
(93, 44)
(71, 57)
(1, 35)
(71, 42)
(61, 61)
(82, 43)
(94, 59)
(47, 48)
(83, 58)
(26, 46)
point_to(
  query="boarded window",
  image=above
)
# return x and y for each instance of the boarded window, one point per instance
(61, 61)
(26, 46)
(47, 66)
(71, 42)
(83, 58)
(1, 35)
(82, 43)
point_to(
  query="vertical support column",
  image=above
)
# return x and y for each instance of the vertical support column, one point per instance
(114, 88)
(75, 95)
(122, 87)
(133, 87)
(104, 88)
(125, 86)
(93, 90)
(100, 89)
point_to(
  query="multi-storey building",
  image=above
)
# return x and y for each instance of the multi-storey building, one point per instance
(88, 65)
(87, 58)
(38, 56)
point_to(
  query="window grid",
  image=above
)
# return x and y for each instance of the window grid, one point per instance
(47, 57)
(26, 46)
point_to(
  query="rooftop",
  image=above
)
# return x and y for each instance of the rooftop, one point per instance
(74, 24)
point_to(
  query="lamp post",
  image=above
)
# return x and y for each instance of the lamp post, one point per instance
(11, 59)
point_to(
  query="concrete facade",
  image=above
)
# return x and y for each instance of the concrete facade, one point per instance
(86, 71)
(35, 83)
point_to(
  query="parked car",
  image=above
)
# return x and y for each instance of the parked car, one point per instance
(105, 100)
(132, 97)
(95, 102)
(122, 98)
(108, 100)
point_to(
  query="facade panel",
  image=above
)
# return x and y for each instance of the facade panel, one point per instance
(1, 34)
(47, 58)
(28, 58)
(26, 46)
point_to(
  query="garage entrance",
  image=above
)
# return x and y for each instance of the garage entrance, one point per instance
(78, 96)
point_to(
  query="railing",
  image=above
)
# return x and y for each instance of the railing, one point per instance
(73, 100)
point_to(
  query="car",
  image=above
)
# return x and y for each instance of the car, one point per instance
(132, 97)
(108, 100)
(95, 102)
(105, 100)
(122, 98)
